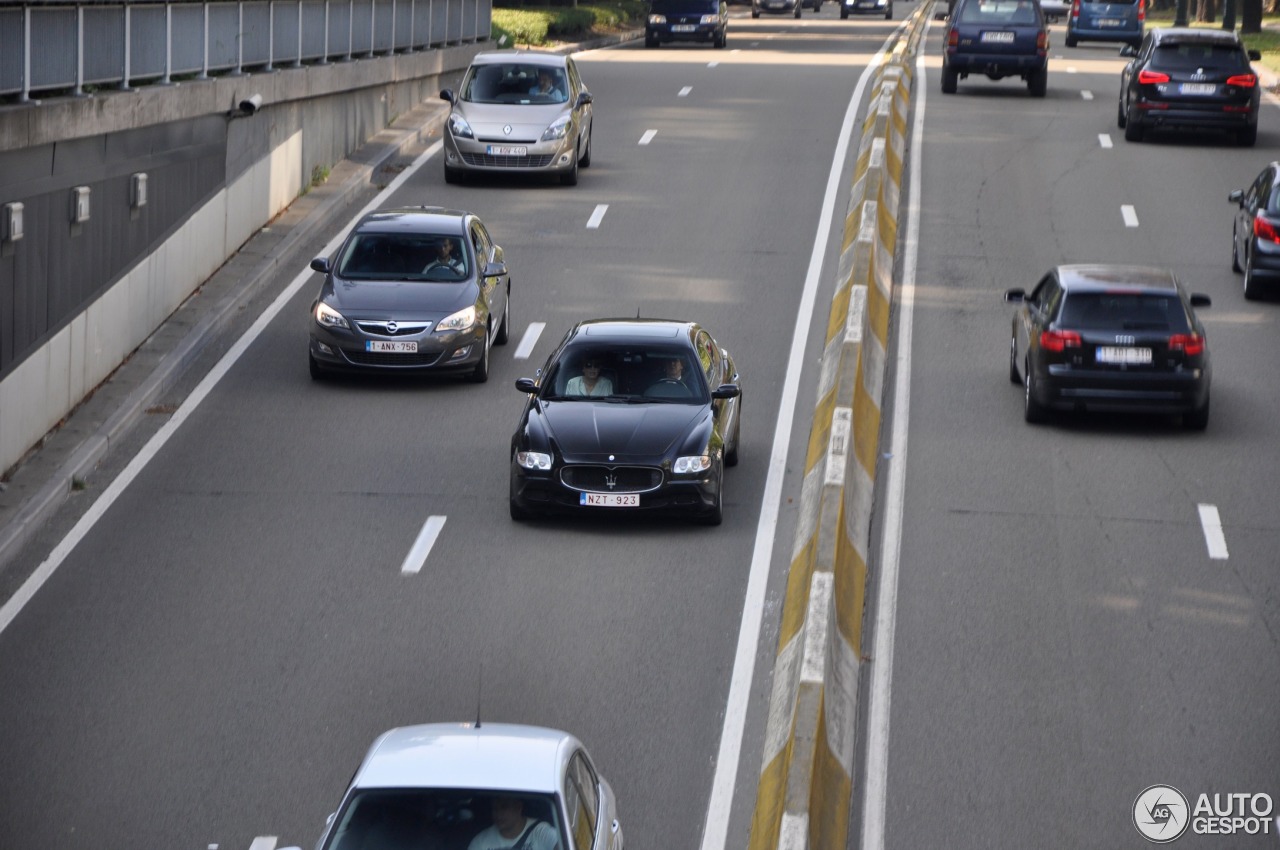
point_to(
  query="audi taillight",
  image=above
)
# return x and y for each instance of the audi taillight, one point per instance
(1189, 344)
(1059, 340)
(1146, 77)
(1263, 229)
(1244, 81)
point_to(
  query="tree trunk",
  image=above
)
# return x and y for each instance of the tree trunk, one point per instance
(1250, 16)
(1206, 13)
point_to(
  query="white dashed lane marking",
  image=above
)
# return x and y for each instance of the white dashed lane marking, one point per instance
(684, 92)
(264, 842)
(1104, 139)
(530, 339)
(1071, 69)
(1211, 522)
(1130, 216)
(1086, 94)
(712, 64)
(648, 136)
(597, 216)
(421, 549)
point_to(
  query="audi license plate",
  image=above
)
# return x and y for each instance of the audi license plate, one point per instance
(610, 500)
(1123, 355)
(397, 347)
(1197, 88)
(684, 27)
(507, 150)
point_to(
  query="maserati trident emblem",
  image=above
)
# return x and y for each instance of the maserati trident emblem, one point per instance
(506, 129)
(610, 481)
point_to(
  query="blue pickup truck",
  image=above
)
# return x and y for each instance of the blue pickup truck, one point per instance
(997, 38)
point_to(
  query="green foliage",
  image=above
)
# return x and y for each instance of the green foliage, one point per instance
(546, 24)
(571, 22)
(521, 26)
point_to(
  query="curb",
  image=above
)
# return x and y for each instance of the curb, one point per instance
(804, 796)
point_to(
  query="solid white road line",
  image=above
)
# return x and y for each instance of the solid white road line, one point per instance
(597, 216)
(716, 828)
(684, 92)
(648, 136)
(1086, 94)
(529, 340)
(1130, 216)
(422, 546)
(877, 778)
(1104, 139)
(1213, 536)
(157, 441)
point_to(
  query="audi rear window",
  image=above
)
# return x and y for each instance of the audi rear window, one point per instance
(1192, 57)
(1127, 311)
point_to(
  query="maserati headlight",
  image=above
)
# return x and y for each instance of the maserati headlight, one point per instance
(534, 460)
(558, 128)
(461, 129)
(459, 321)
(330, 317)
(700, 463)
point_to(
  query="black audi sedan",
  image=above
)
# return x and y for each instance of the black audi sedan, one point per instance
(416, 289)
(1255, 235)
(1193, 78)
(628, 416)
(1110, 337)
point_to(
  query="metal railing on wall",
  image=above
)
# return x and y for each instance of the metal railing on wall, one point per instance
(80, 44)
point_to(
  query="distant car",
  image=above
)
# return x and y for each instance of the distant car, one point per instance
(1110, 337)
(628, 415)
(1192, 78)
(415, 289)
(1055, 9)
(503, 120)
(687, 20)
(998, 38)
(447, 785)
(783, 7)
(1255, 234)
(1105, 20)
(874, 7)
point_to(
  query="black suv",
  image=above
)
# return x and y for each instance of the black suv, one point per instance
(999, 38)
(1198, 78)
(687, 20)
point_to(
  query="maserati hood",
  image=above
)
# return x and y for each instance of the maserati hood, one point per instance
(594, 430)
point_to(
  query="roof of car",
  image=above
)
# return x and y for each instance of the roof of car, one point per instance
(415, 219)
(530, 57)
(1108, 276)
(492, 756)
(639, 330)
(1195, 35)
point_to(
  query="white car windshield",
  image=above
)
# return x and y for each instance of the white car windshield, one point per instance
(451, 819)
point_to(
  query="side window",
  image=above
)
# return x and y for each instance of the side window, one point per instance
(580, 803)
(575, 82)
(481, 243)
(1039, 296)
(708, 359)
(1052, 300)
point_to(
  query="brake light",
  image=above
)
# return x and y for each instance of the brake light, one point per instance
(1146, 77)
(1042, 41)
(1263, 229)
(1059, 340)
(1142, 11)
(953, 38)
(1075, 8)
(1244, 81)
(1187, 343)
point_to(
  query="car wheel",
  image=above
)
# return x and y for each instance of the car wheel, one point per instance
(1198, 419)
(481, 373)
(1247, 137)
(1038, 83)
(844, 13)
(715, 516)
(504, 329)
(317, 371)
(1014, 377)
(1071, 41)
(721, 40)
(799, 8)
(755, 13)
(888, 13)
(650, 41)
(1120, 116)
(731, 456)
(1032, 410)
(1235, 253)
(584, 161)
(1132, 129)
(570, 177)
(518, 513)
(949, 78)
(1251, 288)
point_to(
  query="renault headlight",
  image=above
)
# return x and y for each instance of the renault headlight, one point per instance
(329, 317)
(459, 321)
(534, 460)
(700, 463)
(558, 128)
(459, 126)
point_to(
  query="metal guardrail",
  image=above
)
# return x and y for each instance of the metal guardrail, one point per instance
(79, 44)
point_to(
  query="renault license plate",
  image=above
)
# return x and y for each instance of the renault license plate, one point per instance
(610, 500)
(507, 150)
(1123, 354)
(396, 347)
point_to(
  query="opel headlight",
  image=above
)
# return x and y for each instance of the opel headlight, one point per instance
(700, 463)
(330, 317)
(459, 126)
(459, 321)
(534, 460)
(558, 128)
(657, 19)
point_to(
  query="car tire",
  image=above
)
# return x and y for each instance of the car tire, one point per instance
(584, 161)
(888, 13)
(1247, 137)
(570, 177)
(755, 13)
(844, 13)
(1121, 119)
(519, 514)
(721, 40)
(1038, 83)
(480, 374)
(1235, 253)
(650, 41)
(1071, 41)
(799, 9)
(317, 371)
(1252, 290)
(1198, 419)
(949, 78)
(1014, 377)
(731, 456)
(1032, 411)
(715, 516)
(504, 330)
(1132, 129)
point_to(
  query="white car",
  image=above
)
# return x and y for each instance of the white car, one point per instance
(461, 786)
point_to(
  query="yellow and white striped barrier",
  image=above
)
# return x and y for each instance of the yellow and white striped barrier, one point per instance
(806, 778)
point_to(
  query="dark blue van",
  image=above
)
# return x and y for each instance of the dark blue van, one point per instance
(1106, 20)
(997, 38)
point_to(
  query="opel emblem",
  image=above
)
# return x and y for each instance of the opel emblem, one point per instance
(506, 129)
(392, 327)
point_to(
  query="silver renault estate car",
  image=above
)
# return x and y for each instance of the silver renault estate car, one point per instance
(470, 785)
(518, 111)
